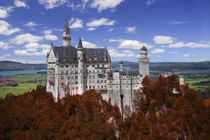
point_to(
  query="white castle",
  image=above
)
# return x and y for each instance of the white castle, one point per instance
(74, 70)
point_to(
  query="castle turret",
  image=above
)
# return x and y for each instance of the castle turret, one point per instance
(143, 62)
(66, 35)
(121, 66)
(80, 60)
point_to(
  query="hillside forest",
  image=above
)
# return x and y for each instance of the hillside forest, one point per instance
(160, 115)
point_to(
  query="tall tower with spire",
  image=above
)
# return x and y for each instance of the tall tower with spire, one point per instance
(80, 60)
(143, 62)
(66, 35)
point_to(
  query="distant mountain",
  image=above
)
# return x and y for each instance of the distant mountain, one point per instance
(11, 66)
(154, 66)
(168, 66)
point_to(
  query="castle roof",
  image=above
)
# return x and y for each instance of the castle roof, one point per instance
(91, 55)
(80, 43)
(143, 49)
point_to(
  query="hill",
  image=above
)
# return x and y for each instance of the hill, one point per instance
(158, 67)
(169, 66)
(11, 66)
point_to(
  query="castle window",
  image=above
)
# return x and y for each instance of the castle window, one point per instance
(93, 65)
(76, 82)
(62, 72)
(62, 77)
(67, 66)
(62, 84)
(61, 66)
(68, 77)
(75, 77)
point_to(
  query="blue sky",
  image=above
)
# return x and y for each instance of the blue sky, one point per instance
(172, 30)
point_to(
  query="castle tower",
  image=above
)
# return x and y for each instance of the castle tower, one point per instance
(80, 60)
(143, 62)
(66, 35)
(121, 66)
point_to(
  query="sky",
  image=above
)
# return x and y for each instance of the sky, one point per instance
(172, 30)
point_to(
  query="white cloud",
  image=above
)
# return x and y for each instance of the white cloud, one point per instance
(47, 32)
(131, 29)
(30, 24)
(4, 45)
(91, 29)
(87, 44)
(49, 4)
(4, 11)
(125, 53)
(105, 4)
(4, 56)
(186, 55)
(33, 49)
(101, 22)
(29, 38)
(6, 29)
(51, 37)
(20, 3)
(131, 44)
(163, 39)
(78, 23)
(189, 45)
(178, 22)
(158, 51)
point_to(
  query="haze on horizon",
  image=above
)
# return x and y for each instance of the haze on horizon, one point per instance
(172, 30)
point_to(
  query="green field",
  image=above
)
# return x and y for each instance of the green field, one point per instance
(28, 77)
(198, 81)
(20, 89)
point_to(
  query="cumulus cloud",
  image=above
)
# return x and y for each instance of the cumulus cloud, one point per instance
(78, 23)
(91, 29)
(163, 39)
(4, 45)
(125, 53)
(33, 49)
(189, 45)
(131, 29)
(49, 4)
(158, 51)
(26, 38)
(87, 44)
(105, 4)
(30, 24)
(131, 44)
(4, 11)
(20, 3)
(49, 36)
(6, 28)
(101, 22)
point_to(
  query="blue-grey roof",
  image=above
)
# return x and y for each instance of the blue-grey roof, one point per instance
(143, 49)
(91, 55)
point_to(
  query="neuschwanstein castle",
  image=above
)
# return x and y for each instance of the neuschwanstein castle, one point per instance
(73, 70)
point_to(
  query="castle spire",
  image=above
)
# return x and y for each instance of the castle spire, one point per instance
(80, 46)
(66, 35)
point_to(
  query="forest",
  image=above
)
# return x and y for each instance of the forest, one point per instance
(160, 115)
